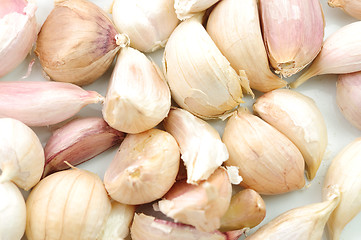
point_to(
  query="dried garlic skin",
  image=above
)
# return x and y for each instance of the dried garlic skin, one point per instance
(188, 8)
(351, 7)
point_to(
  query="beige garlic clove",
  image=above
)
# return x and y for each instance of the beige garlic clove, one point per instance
(188, 8)
(268, 161)
(199, 76)
(299, 119)
(138, 97)
(351, 7)
(202, 149)
(144, 168)
(235, 28)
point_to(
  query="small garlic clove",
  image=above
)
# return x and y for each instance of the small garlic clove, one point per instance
(138, 98)
(351, 7)
(202, 149)
(268, 161)
(43, 103)
(77, 142)
(144, 168)
(299, 119)
(234, 27)
(187, 8)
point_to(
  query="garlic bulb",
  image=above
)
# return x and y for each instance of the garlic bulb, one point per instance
(12, 212)
(199, 76)
(188, 8)
(340, 54)
(291, 50)
(234, 26)
(147, 23)
(268, 161)
(85, 46)
(21, 154)
(18, 32)
(299, 119)
(351, 7)
(138, 97)
(200, 144)
(144, 168)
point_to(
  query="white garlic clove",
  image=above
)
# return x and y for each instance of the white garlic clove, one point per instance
(351, 7)
(235, 28)
(299, 119)
(138, 97)
(187, 8)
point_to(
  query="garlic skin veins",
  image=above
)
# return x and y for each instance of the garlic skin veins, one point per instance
(351, 7)
(188, 8)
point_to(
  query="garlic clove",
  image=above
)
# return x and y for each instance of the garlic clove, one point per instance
(138, 98)
(202, 149)
(144, 168)
(77, 142)
(351, 7)
(268, 161)
(201, 206)
(299, 119)
(187, 8)
(234, 27)
(43, 103)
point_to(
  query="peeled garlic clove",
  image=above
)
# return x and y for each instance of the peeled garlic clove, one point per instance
(144, 168)
(138, 98)
(268, 161)
(202, 149)
(200, 205)
(188, 8)
(299, 119)
(18, 32)
(292, 50)
(77, 142)
(43, 103)
(234, 26)
(351, 7)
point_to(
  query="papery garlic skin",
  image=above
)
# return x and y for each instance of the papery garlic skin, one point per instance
(147, 23)
(138, 97)
(293, 33)
(235, 28)
(351, 7)
(188, 8)
(202, 149)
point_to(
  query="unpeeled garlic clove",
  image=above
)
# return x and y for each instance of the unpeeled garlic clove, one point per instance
(43, 103)
(187, 8)
(299, 119)
(234, 27)
(138, 97)
(267, 160)
(351, 7)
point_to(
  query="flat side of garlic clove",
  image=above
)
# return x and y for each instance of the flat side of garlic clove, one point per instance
(351, 7)
(202, 149)
(299, 119)
(187, 8)
(235, 28)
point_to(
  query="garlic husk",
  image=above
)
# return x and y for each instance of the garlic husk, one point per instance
(43, 103)
(351, 7)
(21, 154)
(267, 160)
(147, 23)
(144, 168)
(201, 79)
(77, 142)
(340, 54)
(235, 28)
(18, 32)
(201, 206)
(138, 97)
(344, 172)
(188, 8)
(202, 149)
(299, 119)
(292, 50)
(12, 212)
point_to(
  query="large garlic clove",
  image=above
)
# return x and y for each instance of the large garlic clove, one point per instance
(268, 161)
(77, 142)
(292, 50)
(147, 23)
(138, 98)
(188, 8)
(351, 7)
(200, 77)
(234, 26)
(144, 168)
(299, 119)
(18, 32)
(21, 154)
(43, 103)
(200, 144)
(200, 205)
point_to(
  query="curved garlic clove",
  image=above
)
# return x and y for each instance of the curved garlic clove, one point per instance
(268, 161)
(138, 98)
(351, 7)
(299, 119)
(234, 26)
(187, 8)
